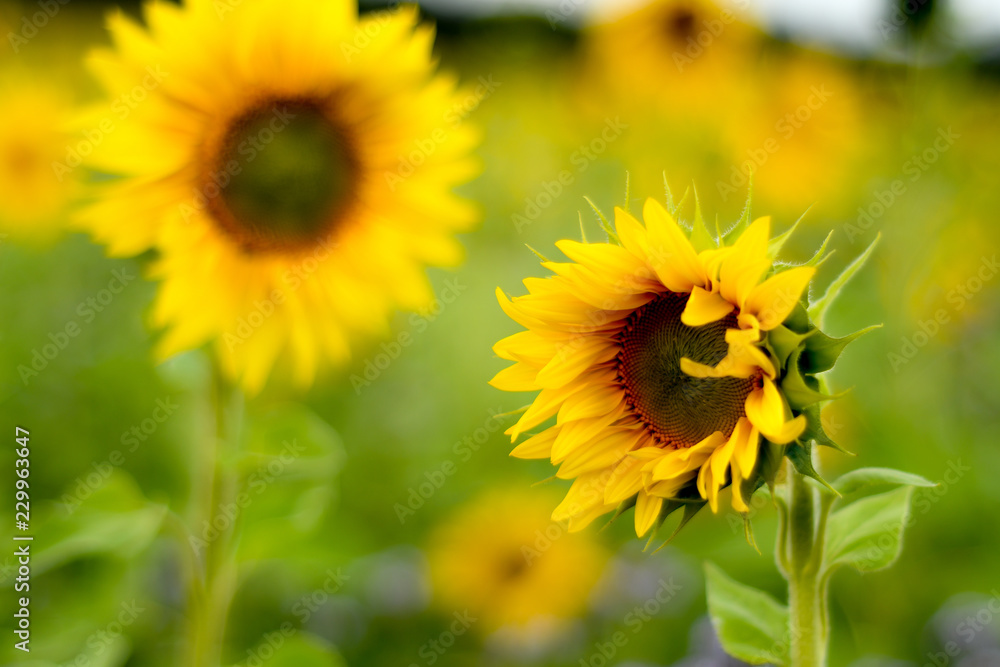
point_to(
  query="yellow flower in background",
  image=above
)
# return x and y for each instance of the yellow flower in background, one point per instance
(503, 558)
(675, 71)
(34, 196)
(685, 53)
(292, 164)
(667, 363)
(801, 130)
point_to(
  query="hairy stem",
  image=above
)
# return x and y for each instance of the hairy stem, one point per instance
(806, 592)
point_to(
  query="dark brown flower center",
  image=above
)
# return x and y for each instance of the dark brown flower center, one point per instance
(680, 24)
(679, 409)
(283, 172)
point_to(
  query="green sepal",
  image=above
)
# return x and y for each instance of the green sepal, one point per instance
(816, 433)
(798, 320)
(775, 245)
(690, 510)
(669, 507)
(800, 454)
(628, 192)
(800, 390)
(822, 351)
(605, 223)
(701, 239)
(623, 507)
(821, 255)
(769, 462)
(538, 254)
(817, 310)
(782, 341)
(744, 220)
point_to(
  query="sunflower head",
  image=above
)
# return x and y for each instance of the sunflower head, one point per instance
(293, 173)
(36, 186)
(676, 362)
(505, 560)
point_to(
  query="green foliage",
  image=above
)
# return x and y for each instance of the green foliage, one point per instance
(868, 533)
(750, 624)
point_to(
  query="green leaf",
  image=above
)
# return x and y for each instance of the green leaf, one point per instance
(301, 649)
(817, 310)
(868, 534)
(750, 624)
(288, 481)
(114, 519)
(822, 351)
(864, 479)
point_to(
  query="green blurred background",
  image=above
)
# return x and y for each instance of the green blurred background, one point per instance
(342, 552)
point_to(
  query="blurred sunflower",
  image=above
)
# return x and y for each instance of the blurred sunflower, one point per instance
(667, 363)
(688, 65)
(294, 171)
(803, 129)
(505, 560)
(689, 50)
(34, 192)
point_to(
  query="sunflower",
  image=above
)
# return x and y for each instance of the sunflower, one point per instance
(675, 365)
(693, 50)
(34, 192)
(291, 163)
(502, 558)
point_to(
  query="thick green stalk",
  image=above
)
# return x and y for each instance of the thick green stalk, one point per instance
(213, 537)
(806, 593)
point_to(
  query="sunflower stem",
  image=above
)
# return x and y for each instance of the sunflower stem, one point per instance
(214, 537)
(806, 590)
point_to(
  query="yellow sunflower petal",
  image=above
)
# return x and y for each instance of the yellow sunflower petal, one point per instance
(766, 409)
(729, 367)
(773, 300)
(673, 257)
(704, 307)
(536, 447)
(624, 482)
(647, 509)
(632, 234)
(743, 267)
(584, 496)
(602, 453)
(574, 358)
(519, 377)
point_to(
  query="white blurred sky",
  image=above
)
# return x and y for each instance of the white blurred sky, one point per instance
(852, 23)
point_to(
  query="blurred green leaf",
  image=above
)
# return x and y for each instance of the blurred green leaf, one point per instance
(289, 475)
(868, 534)
(299, 650)
(867, 478)
(116, 520)
(750, 623)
